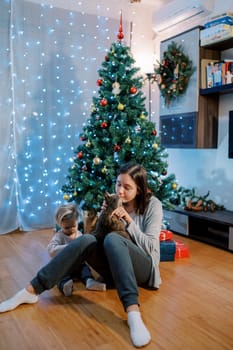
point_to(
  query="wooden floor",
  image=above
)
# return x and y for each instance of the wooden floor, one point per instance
(193, 310)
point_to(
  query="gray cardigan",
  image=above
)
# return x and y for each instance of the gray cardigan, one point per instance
(145, 231)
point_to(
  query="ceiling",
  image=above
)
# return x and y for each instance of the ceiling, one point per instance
(106, 7)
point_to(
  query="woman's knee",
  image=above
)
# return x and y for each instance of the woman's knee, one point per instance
(83, 241)
(112, 239)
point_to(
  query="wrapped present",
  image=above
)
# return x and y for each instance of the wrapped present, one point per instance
(182, 251)
(165, 235)
(167, 250)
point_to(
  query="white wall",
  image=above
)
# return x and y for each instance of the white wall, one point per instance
(206, 170)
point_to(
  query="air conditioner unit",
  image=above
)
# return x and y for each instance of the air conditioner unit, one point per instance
(177, 12)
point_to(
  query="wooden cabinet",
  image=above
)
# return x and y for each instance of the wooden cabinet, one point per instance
(192, 121)
(213, 228)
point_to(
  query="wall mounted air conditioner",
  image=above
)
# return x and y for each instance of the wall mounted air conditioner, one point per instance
(178, 12)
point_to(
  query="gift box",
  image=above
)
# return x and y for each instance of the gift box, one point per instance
(182, 251)
(165, 235)
(167, 250)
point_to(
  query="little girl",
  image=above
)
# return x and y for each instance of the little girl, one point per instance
(66, 218)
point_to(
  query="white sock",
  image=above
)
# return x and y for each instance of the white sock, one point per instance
(139, 334)
(68, 288)
(92, 284)
(22, 297)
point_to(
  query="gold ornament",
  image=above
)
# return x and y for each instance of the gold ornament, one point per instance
(128, 140)
(66, 197)
(104, 170)
(142, 116)
(88, 144)
(155, 145)
(96, 160)
(120, 106)
(174, 186)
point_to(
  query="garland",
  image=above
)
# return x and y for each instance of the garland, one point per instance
(173, 73)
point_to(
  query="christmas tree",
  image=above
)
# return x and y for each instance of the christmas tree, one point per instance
(116, 132)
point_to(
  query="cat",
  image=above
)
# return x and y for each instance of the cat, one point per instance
(107, 223)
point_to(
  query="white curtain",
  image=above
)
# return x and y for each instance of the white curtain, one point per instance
(49, 60)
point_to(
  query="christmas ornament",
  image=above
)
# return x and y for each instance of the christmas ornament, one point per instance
(80, 155)
(75, 194)
(128, 140)
(120, 33)
(99, 82)
(103, 102)
(117, 148)
(120, 106)
(154, 132)
(116, 88)
(66, 197)
(84, 168)
(88, 144)
(155, 145)
(83, 138)
(137, 129)
(104, 170)
(174, 185)
(142, 116)
(96, 160)
(104, 125)
(133, 90)
(173, 73)
(164, 172)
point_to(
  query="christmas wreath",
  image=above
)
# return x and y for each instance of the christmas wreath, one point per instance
(173, 73)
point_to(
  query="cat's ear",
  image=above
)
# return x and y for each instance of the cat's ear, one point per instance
(106, 195)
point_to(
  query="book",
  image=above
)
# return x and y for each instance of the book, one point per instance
(219, 73)
(204, 80)
(229, 72)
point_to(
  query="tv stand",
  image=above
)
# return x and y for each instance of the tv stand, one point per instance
(215, 228)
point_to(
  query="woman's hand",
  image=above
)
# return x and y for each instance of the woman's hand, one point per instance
(104, 206)
(121, 213)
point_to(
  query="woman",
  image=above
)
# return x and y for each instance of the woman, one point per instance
(126, 263)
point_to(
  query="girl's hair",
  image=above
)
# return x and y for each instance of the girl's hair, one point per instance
(139, 175)
(66, 212)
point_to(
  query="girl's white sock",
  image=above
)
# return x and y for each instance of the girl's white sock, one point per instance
(139, 334)
(22, 297)
(68, 288)
(92, 284)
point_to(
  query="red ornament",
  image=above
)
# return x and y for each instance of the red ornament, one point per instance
(154, 132)
(104, 125)
(99, 82)
(120, 33)
(103, 102)
(164, 172)
(120, 36)
(83, 138)
(106, 58)
(133, 90)
(80, 155)
(84, 168)
(117, 148)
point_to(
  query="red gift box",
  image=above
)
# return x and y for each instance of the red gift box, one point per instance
(165, 235)
(181, 250)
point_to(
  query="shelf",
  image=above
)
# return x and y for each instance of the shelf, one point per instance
(223, 89)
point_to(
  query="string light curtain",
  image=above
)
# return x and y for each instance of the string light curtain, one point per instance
(49, 60)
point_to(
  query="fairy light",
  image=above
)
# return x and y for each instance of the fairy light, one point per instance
(53, 93)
